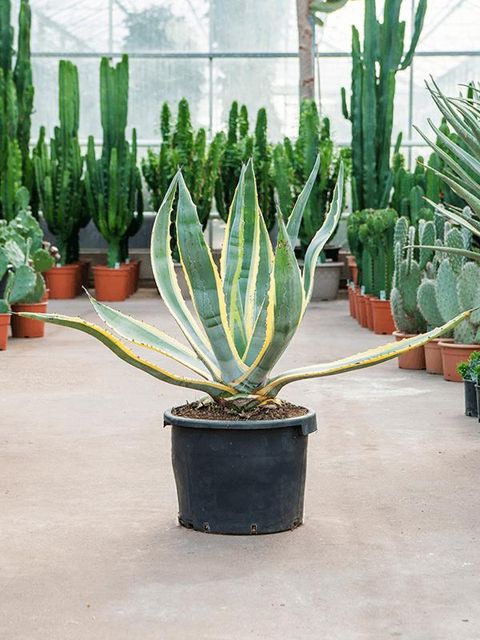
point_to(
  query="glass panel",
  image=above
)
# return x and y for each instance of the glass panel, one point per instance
(269, 83)
(449, 73)
(451, 25)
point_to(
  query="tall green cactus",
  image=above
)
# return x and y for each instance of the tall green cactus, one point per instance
(376, 235)
(112, 182)
(58, 169)
(372, 101)
(16, 103)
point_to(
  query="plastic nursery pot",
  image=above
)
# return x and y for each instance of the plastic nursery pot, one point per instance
(240, 477)
(4, 325)
(82, 275)
(25, 327)
(369, 311)
(362, 311)
(352, 265)
(471, 406)
(383, 323)
(452, 355)
(112, 285)
(62, 281)
(433, 355)
(131, 276)
(136, 264)
(477, 391)
(413, 359)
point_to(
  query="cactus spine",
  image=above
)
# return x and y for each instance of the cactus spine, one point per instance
(58, 169)
(372, 101)
(16, 103)
(112, 182)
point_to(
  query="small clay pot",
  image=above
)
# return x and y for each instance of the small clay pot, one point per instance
(131, 276)
(63, 281)
(362, 311)
(4, 324)
(351, 301)
(369, 311)
(452, 355)
(412, 359)
(352, 265)
(433, 356)
(112, 285)
(83, 275)
(383, 323)
(26, 327)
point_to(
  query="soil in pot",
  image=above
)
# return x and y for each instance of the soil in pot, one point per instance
(413, 359)
(111, 285)
(383, 323)
(471, 407)
(26, 327)
(433, 356)
(244, 476)
(452, 355)
(63, 281)
(4, 325)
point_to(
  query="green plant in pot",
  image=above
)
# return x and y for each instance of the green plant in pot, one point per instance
(58, 172)
(376, 235)
(113, 183)
(23, 260)
(244, 316)
(469, 371)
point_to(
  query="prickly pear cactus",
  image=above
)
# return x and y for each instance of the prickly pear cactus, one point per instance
(406, 281)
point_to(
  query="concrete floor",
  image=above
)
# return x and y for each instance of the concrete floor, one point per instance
(89, 544)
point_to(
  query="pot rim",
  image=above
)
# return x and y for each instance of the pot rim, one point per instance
(459, 345)
(307, 422)
(29, 304)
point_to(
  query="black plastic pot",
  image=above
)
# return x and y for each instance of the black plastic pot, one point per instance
(471, 408)
(477, 393)
(240, 477)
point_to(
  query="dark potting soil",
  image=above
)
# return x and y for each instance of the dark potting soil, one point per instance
(213, 411)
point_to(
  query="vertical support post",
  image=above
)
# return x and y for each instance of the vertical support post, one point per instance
(410, 94)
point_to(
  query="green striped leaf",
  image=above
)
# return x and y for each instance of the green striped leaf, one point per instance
(148, 336)
(205, 285)
(214, 389)
(359, 360)
(295, 218)
(164, 273)
(322, 236)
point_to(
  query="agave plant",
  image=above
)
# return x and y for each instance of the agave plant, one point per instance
(245, 315)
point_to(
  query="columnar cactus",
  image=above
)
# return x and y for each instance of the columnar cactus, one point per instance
(372, 101)
(376, 235)
(293, 162)
(112, 182)
(16, 103)
(58, 169)
(407, 277)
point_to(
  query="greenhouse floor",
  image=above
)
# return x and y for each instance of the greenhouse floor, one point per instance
(89, 544)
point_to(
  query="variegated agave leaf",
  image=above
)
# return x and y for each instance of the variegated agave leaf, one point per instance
(244, 316)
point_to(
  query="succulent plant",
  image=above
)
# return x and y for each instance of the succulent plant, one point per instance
(243, 316)
(375, 235)
(470, 370)
(407, 277)
(59, 167)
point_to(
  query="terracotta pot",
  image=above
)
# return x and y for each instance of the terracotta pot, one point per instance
(356, 295)
(351, 301)
(131, 276)
(111, 285)
(63, 281)
(46, 295)
(136, 270)
(433, 355)
(4, 324)
(452, 355)
(362, 310)
(413, 359)
(352, 265)
(25, 327)
(383, 323)
(369, 311)
(82, 275)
